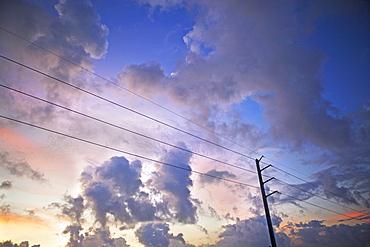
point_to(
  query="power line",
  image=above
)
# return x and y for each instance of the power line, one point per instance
(124, 152)
(124, 129)
(145, 136)
(330, 210)
(158, 121)
(316, 186)
(157, 161)
(124, 107)
(126, 89)
(162, 142)
(283, 166)
(140, 96)
(323, 198)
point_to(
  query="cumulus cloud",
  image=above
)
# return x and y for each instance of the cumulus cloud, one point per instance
(75, 33)
(143, 78)
(157, 234)
(175, 183)
(242, 50)
(113, 193)
(6, 184)
(20, 168)
(251, 232)
(94, 237)
(114, 188)
(74, 209)
(315, 233)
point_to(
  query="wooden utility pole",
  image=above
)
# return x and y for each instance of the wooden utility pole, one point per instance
(264, 198)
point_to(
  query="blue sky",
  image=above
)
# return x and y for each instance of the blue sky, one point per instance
(205, 86)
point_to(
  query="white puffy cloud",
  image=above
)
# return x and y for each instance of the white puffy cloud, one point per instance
(74, 33)
(254, 50)
(143, 79)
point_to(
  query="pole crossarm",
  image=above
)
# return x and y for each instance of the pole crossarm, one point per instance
(266, 167)
(272, 193)
(268, 179)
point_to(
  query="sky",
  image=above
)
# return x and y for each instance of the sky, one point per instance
(139, 122)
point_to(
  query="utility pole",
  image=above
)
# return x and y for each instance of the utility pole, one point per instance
(264, 198)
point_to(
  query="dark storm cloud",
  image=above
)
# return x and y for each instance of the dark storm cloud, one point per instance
(73, 208)
(251, 232)
(346, 184)
(114, 188)
(20, 168)
(94, 237)
(157, 234)
(175, 184)
(315, 233)
(114, 193)
(6, 184)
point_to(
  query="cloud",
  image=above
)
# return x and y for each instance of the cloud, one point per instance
(242, 50)
(95, 237)
(6, 184)
(174, 184)
(113, 193)
(75, 33)
(346, 184)
(143, 78)
(157, 234)
(81, 27)
(114, 188)
(20, 169)
(22, 244)
(215, 173)
(72, 207)
(250, 232)
(315, 233)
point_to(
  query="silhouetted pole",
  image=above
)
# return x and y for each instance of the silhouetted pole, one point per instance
(264, 198)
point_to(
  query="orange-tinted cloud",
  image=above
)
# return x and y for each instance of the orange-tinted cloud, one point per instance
(14, 218)
(15, 139)
(350, 216)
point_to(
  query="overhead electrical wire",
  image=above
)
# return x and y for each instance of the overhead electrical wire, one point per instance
(141, 114)
(279, 163)
(124, 129)
(123, 107)
(162, 142)
(327, 209)
(140, 96)
(126, 89)
(154, 119)
(323, 198)
(124, 152)
(315, 185)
